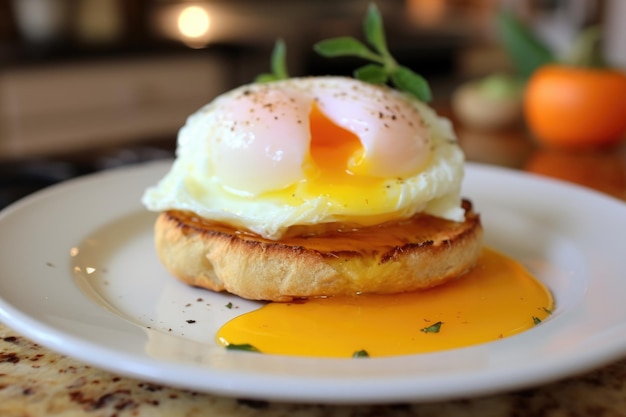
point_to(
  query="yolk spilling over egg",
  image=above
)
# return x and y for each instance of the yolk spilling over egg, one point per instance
(333, 149)
(496, 299)
(336, 156)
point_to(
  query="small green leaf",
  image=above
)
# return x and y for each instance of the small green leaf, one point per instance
(278, 64)
(229, 305)
(265, 78)
(401, 77)
(525, 50)
(371, 73)
(279, 60)
(536, 320)
(247, 347)
(345, 46)
(361, 354)
(433, 328)
(374, 30)
(412, 83)
(586, 50)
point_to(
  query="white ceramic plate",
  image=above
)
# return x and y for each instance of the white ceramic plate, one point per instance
(79, 275)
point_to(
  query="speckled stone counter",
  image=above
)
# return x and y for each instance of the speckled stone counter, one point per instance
(36, 382)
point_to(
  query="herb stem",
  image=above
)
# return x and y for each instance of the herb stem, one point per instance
(384, 68)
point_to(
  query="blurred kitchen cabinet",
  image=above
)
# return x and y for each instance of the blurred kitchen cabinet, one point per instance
(75, 106)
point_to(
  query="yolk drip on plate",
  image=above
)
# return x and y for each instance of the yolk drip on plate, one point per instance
(496, 299)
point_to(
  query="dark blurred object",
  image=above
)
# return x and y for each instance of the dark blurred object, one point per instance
(21, 178)
(43, 31)
(42, 21)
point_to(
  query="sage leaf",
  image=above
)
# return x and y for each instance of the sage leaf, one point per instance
(371, 73)
(407, 80)
(374, 30)
(401, 77)
(345, 46)
(265, 78)
(278, 64)
(279, 60)
(527, 52)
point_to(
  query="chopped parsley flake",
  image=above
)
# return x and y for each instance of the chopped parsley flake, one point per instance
(433, 328)
(229, 305)
(247, 347)
(361, 354)
(536, 320)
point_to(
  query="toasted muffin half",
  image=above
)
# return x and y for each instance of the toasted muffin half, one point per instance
(315, 261)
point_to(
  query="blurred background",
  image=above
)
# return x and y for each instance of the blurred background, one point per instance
(87, 85)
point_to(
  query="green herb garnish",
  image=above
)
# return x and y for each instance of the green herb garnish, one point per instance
(536, 320)
(525, 50)
(547, 310)
(361, 354)
(229, 305)
(586, 50)
(278, 64)
(247, 347)
(528, 52)
(433, 328)
(384, 67)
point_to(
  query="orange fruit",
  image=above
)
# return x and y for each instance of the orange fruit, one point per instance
(574, 107)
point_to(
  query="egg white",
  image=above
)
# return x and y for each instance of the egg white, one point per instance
(243, 158)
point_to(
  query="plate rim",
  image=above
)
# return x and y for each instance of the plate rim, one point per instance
(233, 384)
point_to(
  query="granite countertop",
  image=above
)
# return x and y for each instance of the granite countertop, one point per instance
(36, 382)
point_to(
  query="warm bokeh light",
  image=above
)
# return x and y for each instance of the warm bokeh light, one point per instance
(426, 13)
(193, 22)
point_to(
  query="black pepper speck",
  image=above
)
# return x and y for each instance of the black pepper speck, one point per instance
(10, 357)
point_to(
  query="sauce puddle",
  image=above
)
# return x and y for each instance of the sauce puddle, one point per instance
(496, 299)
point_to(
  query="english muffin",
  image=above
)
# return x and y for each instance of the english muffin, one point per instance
(337, 259)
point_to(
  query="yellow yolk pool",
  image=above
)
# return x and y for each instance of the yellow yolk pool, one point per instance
(496, 299)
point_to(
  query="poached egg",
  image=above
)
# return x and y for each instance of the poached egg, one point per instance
(305, 151)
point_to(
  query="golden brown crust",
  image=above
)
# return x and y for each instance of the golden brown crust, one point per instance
(412, 254)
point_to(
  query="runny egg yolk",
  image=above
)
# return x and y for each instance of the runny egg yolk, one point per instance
(496, 299)
(333, 149)
(333, 169)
